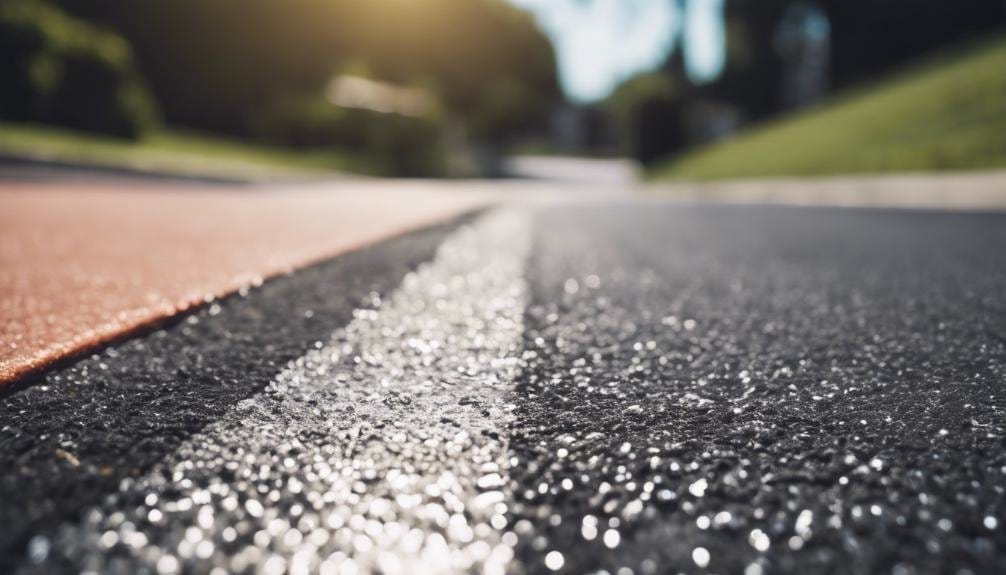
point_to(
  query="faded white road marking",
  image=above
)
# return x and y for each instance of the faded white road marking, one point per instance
(380, 450)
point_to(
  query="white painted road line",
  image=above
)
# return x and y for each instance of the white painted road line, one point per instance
(382, 449)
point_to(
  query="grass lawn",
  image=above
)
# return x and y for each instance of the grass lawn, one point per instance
(946, 113)
(173, 152)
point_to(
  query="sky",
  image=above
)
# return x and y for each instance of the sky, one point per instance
(600, 43)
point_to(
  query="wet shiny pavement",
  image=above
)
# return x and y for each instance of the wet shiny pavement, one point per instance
(640, 388)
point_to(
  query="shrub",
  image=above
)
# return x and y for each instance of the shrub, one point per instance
(397, 144)
(57, 69)
(650, 115)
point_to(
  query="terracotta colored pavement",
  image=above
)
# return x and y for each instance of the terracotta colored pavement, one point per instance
(83, 264)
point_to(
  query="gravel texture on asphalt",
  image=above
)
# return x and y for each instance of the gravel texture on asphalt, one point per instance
(763, 390)
(656, 388)
(68, 441)
(379, 451)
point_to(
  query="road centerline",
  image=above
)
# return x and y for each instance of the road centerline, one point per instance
(380, 450)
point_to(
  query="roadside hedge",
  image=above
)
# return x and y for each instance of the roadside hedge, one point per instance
(396, 144)
(60, 70)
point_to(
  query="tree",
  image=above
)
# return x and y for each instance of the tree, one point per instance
(489, 62)
(215, 63)
(61, 70)
(871, 36)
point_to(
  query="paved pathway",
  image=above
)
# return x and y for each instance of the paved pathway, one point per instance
(615, 385)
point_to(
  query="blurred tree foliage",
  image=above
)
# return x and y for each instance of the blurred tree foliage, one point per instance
(866, 37)
(397, 144)
(648, 115)
(215, 64)
(489, 62)
(870, 36)
(61, 70)
(259, 69)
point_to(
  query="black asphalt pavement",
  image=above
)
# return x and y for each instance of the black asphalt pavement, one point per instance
(635, 387)
(800, 390)
(69, 440)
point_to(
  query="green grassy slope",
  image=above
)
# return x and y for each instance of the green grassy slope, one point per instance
(947, 113)
(176, 152)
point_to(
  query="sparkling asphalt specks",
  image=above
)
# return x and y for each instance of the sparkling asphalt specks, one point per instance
(379, 451)
(763, 390)
(730, 390)
(70, 439)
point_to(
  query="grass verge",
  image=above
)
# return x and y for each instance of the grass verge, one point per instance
(945, 113)
(173, 152)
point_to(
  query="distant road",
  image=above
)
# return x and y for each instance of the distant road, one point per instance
(573, 170)
(612, 385)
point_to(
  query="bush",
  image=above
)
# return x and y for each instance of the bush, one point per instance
(650, 115)
(59, 70)
(396, 144)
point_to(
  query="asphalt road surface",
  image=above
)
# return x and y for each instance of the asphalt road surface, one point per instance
(617, 387)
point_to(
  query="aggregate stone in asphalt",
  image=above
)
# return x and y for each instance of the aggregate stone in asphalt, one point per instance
(763, 390)
(70, 440)
(624, 388)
